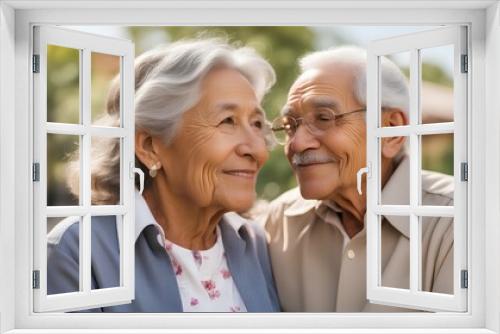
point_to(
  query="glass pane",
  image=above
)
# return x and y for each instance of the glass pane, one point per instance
(63, 84)
(63, 170)
(104, 69)
(437, 169)
(63, 268)
(395, 252)
(390, 85)
(394, 171)
(105, 170)
(437, 254)
(436, 96)
(105, 251)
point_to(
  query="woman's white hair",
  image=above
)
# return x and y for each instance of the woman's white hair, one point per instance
(393, 83)
(167, 84)
(170, 84)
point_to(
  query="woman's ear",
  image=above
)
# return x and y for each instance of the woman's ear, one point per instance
(391, 146)
(144, 149)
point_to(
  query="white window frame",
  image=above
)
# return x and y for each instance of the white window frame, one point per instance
(85, 44)
(16, 198)
(455, 36)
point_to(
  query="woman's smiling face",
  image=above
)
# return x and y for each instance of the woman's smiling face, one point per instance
(220, 145)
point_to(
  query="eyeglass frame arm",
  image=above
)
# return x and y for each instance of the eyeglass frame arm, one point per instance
(299, 120)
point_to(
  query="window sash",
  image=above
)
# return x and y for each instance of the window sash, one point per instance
(478, 320)
(456, 36)
(86, 44)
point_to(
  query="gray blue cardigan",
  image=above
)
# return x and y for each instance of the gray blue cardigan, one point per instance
(156, 288)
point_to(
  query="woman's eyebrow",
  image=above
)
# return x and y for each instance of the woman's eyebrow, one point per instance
(226, 106)
(230, 106)
(259, 111)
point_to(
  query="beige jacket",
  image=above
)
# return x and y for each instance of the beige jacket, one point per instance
(317, 267)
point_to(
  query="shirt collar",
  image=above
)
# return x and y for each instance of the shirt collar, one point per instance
(302, 206)
(143, 216)
(235, 220)
(396, 191)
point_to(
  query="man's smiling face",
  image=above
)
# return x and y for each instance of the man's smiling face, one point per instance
(326, 164)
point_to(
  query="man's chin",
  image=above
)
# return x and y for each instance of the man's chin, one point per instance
(309, 192)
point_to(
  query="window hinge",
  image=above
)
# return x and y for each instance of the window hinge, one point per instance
(36, 279)
(465, 64)
(464, 279)
(36, 63)
(36, 172)
(464, 169)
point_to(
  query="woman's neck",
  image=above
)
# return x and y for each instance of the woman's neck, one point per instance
(183, 222)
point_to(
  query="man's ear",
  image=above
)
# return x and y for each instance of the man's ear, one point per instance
(391, 146)
(144, 149)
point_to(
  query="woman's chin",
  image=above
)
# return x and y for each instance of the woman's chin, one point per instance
(240, 203)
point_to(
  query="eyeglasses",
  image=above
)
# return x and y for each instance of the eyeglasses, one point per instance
(316, 122)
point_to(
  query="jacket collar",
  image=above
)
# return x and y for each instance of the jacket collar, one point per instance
(240, 253)
(243, 262)
(396, 192)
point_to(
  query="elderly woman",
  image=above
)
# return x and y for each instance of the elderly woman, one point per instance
(201, 137)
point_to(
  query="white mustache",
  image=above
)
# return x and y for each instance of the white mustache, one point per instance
(311, 157)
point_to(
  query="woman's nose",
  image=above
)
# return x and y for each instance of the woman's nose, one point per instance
(253, 145)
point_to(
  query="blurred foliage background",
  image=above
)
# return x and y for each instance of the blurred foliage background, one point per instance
(281, 46)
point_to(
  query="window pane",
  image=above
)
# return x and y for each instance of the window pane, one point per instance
(437, 254)
(63, 269)
(437, 169)
(104, 69)
(394, 171)
(63, 84)
(395, 252)
(63, 175)
(387, 81)
(105, 170)
(436, 96)
(107, 234)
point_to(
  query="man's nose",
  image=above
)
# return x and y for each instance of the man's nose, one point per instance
(303, 139)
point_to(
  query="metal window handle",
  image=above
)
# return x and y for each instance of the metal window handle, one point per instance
(359, 174)
(133, 171)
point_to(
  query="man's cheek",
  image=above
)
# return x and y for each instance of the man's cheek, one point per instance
(351, 152)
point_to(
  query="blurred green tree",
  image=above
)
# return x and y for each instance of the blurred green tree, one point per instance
(281, 46)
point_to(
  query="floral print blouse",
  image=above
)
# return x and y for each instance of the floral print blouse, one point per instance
(205, 282)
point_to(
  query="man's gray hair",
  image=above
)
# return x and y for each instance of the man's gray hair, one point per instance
(167, 84)
(393, 83)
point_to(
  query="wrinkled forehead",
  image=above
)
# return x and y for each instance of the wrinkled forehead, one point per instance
(332, 86)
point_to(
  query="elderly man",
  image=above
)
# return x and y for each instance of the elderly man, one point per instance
(316, 233)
